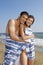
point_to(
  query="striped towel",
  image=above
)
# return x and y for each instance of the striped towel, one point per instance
(13, 50)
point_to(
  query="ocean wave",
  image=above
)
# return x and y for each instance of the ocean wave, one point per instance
(38, 41)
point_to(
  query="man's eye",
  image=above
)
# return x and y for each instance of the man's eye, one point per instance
(23, 17)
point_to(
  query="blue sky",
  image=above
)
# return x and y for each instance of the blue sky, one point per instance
(12, 8)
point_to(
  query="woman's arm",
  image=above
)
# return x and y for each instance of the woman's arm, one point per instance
(24, 37)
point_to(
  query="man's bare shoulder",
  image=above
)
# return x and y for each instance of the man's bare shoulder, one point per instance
(11, 21)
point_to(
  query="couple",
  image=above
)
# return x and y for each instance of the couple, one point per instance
(19, 41)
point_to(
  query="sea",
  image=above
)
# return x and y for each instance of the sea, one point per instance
(38, 40)
(38, 35)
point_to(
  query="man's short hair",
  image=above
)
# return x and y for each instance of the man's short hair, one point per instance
(24, 12)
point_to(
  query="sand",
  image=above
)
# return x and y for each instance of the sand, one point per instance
(38, 59)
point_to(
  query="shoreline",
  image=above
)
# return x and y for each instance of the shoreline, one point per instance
(39, 48)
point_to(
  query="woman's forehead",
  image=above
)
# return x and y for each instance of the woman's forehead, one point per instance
(30, 18)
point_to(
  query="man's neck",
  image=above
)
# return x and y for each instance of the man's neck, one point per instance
(17, 22)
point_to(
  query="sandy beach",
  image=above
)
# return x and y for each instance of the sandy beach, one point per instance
(38, 59)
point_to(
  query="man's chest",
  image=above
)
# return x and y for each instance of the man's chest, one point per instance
(17, 30)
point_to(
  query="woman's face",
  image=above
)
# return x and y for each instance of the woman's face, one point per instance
(23, 18)
(29, 21)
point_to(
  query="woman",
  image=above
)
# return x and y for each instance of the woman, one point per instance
(25, 32)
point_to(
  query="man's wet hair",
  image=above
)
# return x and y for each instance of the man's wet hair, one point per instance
(24, 12)
(31, 16)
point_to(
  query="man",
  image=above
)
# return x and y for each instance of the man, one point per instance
(13, 26)
(13, 31)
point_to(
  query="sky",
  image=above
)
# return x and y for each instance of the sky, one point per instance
(10, 9)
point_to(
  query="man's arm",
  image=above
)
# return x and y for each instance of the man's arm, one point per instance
(24, 37)
(11, 28)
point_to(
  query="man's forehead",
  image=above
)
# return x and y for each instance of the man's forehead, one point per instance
(24, 15)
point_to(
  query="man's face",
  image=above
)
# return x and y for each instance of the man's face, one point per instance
(23, 18)
(29, 21)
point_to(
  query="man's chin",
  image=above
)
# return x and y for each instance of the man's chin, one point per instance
(28, 25)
